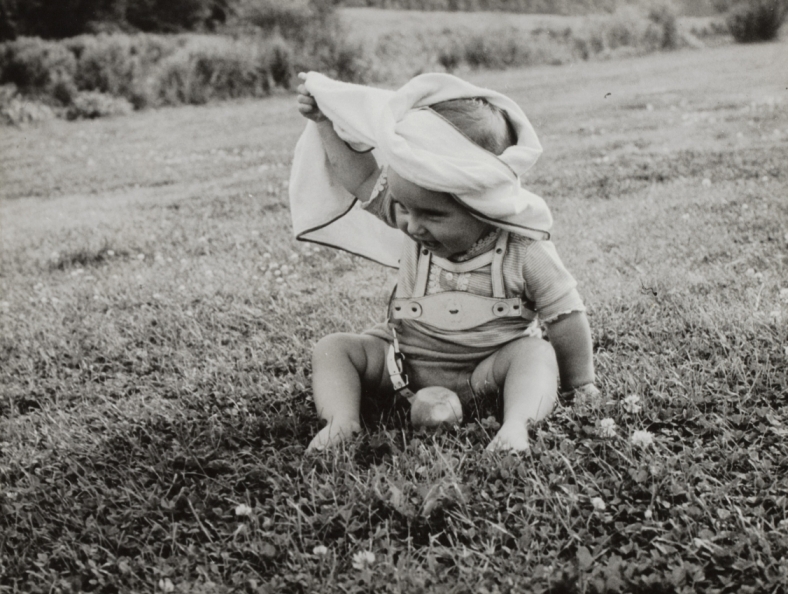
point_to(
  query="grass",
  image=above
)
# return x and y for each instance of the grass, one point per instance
(155, 373)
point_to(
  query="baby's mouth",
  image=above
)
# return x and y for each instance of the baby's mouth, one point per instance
(430, 245)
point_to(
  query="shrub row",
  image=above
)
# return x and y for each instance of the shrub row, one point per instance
(90, 76)
(630, 31)
(145, 70)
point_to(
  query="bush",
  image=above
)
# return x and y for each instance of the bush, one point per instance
(111, 64)
(92, 104)
(15, 110)
(280, 62)
(663, 14)
(329, 50)
(756, 20)
(213, 69)
(288, 19)
(35, 66)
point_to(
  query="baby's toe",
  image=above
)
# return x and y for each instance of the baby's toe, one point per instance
(509, 441)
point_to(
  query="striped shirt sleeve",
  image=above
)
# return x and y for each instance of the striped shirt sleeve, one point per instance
(379, 201)
(548, 284)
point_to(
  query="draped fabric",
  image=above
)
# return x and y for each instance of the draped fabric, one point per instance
(420, 146)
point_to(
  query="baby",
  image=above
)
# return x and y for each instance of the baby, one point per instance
(477, 272)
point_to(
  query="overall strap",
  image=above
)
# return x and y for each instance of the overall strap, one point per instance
(496, 269)
(422, 272)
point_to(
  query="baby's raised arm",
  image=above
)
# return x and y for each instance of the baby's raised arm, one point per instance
(357, 172)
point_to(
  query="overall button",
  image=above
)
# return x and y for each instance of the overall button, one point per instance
(501, 308)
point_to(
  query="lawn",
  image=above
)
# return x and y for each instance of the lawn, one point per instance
(156, 319)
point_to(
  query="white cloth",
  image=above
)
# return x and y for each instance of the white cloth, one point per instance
(420, 146)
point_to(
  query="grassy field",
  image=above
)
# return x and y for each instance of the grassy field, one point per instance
(156, 319)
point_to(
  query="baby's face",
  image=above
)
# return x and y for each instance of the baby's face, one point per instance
(435, 220)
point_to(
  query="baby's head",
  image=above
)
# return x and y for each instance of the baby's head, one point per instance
(436, 220)
(483, 123)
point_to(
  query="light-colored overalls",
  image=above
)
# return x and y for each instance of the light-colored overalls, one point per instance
(450, 311)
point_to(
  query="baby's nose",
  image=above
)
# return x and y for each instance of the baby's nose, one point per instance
(414, 225)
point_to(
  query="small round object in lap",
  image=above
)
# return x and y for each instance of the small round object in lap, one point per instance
(435, 406)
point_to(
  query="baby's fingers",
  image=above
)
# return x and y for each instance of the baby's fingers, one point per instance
(308, 110)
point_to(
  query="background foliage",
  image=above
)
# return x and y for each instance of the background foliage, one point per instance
(270, 42)
(117, 55)
(67, 18)
(756, 20)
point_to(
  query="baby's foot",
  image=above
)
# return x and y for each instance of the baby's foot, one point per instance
(336, 431)
(510, 437)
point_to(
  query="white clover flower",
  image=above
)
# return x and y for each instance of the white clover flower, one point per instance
(243, 510)
(165, 585)
(320, 550)
(607, 428)
(642, 438)
(784, 295)
(648, 513)
(632, 404)
(598, 504)
(363, 559)
(706, 183)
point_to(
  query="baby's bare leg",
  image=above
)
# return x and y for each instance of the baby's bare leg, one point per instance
(527, 371)
(342, 364)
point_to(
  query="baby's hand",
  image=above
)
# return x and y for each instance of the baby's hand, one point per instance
(307, 104)
(335, 432)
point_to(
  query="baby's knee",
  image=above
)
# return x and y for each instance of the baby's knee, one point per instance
(534, 350)
(363, 351)
(334, 344)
